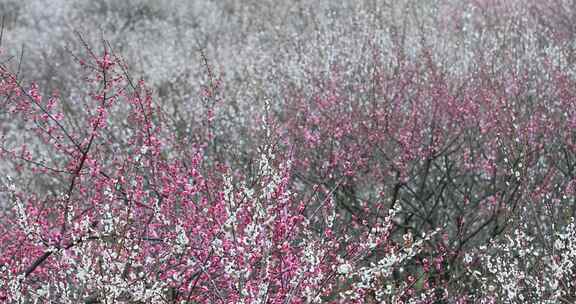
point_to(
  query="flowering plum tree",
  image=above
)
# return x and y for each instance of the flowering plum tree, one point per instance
(426, 160)
(148, 218)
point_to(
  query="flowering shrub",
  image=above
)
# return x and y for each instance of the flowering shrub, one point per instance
(428, 161)
(153, 221)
